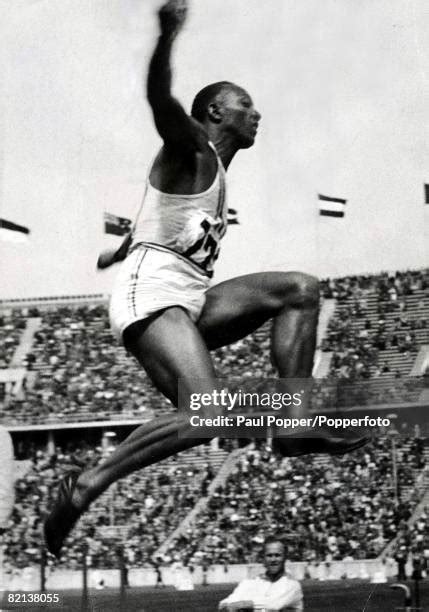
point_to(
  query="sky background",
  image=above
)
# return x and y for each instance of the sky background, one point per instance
(342, 87)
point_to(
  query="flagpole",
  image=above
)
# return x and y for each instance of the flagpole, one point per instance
(318, 225)
(426, 215)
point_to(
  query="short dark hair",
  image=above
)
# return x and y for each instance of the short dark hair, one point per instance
(205, 96)
(274, 539)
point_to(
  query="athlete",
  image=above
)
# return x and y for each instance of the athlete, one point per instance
(163, 307)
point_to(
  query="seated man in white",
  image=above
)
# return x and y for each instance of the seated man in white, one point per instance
(273, 591)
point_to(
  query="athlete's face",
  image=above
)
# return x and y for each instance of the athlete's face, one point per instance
(274, 558)
(240, 117)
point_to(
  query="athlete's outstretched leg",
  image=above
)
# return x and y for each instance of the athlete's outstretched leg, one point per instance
(146, 445)
(169, 347)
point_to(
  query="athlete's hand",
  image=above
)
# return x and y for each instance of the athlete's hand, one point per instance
(111, 256)
(106, 259)
(172, 16)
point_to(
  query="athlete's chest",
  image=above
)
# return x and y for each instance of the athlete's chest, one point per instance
(181, 175)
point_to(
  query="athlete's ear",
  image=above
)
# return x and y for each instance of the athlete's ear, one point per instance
(214, 112)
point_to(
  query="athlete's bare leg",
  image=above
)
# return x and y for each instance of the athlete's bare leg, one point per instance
(169, 347)
(238, 306)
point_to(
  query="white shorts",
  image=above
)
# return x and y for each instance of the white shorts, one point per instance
(151, 279)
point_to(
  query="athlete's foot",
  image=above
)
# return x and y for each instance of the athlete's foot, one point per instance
(323, 440)
(63, 516)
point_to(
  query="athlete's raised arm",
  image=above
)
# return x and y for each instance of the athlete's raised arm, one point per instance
(174, 125)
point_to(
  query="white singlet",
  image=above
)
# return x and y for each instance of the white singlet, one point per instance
(175, 244)
(190, 225)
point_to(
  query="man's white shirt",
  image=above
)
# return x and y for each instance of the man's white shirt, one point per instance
(285, 594)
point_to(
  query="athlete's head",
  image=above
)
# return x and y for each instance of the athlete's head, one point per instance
(274, 556)
(230, 108)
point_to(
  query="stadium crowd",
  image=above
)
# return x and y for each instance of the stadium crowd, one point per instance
(340, 508)
(330, 509)
(82, 374)
(388, 285)
(413, 540)
(375, 314)
(140, 509)
(12, 323)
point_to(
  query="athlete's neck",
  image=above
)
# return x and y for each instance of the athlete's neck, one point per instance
(226, 148)
(226, 151)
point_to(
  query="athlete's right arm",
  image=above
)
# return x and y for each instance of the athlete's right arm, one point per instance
(174, 125)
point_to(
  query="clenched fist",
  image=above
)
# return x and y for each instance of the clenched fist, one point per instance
(172, 16)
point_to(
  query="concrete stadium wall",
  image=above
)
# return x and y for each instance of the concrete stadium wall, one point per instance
(182, 578)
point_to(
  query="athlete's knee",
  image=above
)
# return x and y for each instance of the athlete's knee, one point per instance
(309, 288)
(304, 290)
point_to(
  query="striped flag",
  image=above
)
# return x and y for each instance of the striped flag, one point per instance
(331, 207)
(232, 217)
(426, 193)
(12, 232)
(118, 226)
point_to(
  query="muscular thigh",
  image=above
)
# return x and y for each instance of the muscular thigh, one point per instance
(170, 347)
(238, 306)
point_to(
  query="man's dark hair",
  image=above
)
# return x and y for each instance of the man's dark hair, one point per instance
(205, 96)
(273, 539)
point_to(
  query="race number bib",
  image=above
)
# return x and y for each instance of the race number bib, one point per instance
(201, 238)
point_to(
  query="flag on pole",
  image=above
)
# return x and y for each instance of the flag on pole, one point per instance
(426, 193)
(232, 217)
(12, 232)
(7, 480)
(331, 207)
(118, 226)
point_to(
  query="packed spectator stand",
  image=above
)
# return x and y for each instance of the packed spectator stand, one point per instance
(328, 508)
(140, 509)
(378, 325)
(11, 326)
(80, 371)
